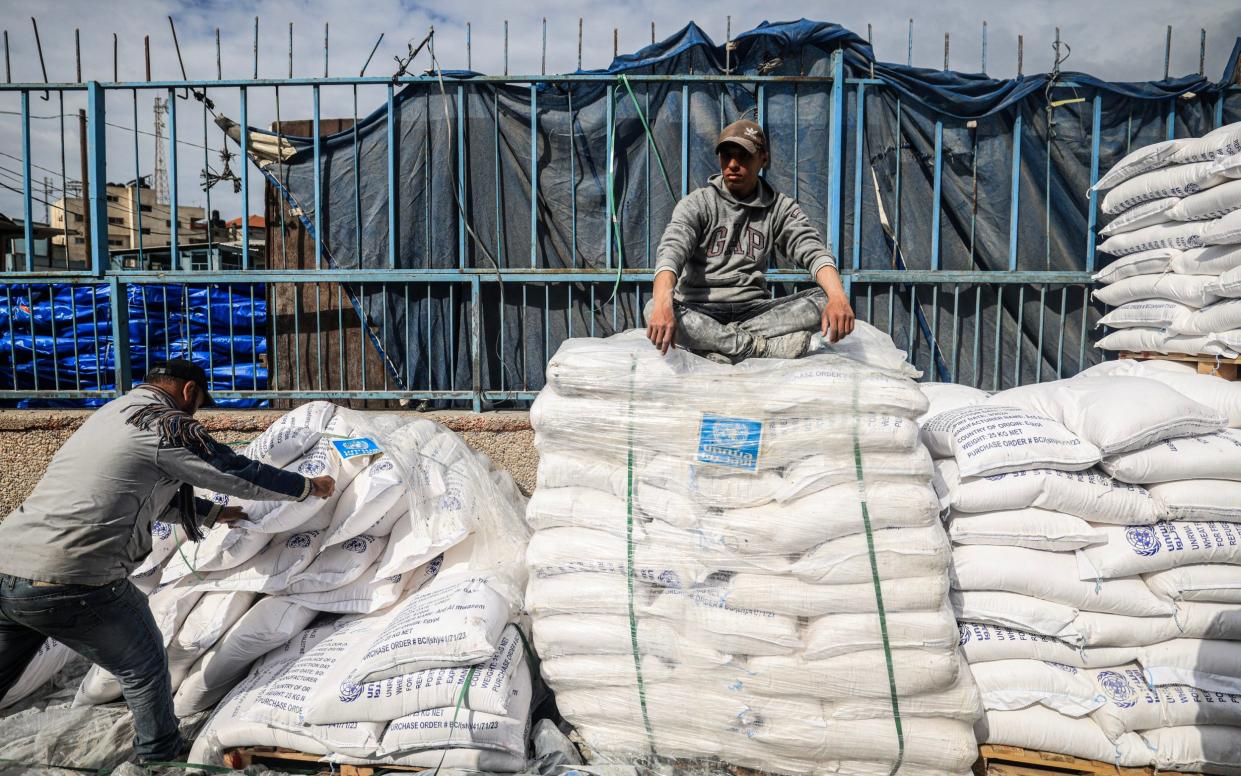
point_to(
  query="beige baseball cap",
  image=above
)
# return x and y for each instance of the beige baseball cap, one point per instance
(744, 133)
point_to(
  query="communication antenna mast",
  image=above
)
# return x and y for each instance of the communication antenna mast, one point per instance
(160, 181)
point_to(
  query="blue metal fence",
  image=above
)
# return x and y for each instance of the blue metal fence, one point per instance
(932, 308)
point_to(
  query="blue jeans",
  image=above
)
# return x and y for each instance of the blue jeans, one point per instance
(110, 626)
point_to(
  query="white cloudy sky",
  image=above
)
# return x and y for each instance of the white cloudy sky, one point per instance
(1113, 39)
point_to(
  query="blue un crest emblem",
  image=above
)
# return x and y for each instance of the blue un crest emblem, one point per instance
(1117, 688)
(1142, 539)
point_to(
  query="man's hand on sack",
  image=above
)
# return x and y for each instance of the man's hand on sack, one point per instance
(322, 487)
(230, 515)
(837, 318)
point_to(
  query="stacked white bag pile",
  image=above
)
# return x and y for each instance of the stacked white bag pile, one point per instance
(411, 573)
(1176, 230)
(1089, 625)
(711, 545)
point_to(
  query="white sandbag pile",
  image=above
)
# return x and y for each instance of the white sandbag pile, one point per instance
(1176, 230)
(369, 613)
(1097, 609)
(745, 563)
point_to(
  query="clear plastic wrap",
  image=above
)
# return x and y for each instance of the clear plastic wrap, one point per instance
(745, 564)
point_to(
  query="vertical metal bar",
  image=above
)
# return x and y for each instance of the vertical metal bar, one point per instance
(27, 194)
(956, 330)
(391, 136)
(318, 332)
(912, 320)
(937, 205)
(933, 342)
(685, 138)
(1202, 51)
(835, 164)
(1081, 347)
(506, 46)
(120, 329)
(543, 61)
(174, 209)
(51, 300)
(1096, 130)
(297, 336)
(859, 135)
(1018, 339)
(1171, 120)
(476, 350)
(97, 159)
(461, 180)
(984, 61)
(275, 337)
(760, 106)
(318, 178)
(1042, 318)
(245, 169)
(534, 175)
(608, 203)
(8, 294)
(909, 52)
(945, 51)
(495, 137)
(469, 65)
(341, 337)
(1167, 53)
(1219, 109)
(1064, 297)
(1015, 194)
(976, 361)
(572, 177)
(997, 347)
(357, 184)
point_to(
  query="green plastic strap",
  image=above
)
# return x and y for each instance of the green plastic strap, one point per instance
(874, 575)
(650, 136)
(629, 555)
(462, 698)
(181, 552)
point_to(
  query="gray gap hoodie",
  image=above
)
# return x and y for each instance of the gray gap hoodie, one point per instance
(719, 246)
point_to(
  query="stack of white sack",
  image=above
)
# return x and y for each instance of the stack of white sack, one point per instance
(422, 537)
(1176, 230)
(745, 563)
(1086, 634)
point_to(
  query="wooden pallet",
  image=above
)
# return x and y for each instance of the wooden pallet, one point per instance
(997, 760)
(1221, 367)
(277, 759)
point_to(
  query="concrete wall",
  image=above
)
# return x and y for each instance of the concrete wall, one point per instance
(29, 439)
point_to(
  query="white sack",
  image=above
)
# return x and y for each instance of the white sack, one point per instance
(989, 439)
(452, 621)
(948, 396)
(268, 624)
(1179, 181)
(783, 594)
(1196, 749)
(898, 553)
(1138, 340)
(493, 686)
(1147, 313)
(1089, 494)
(460, 731)
(1189, 290)
(1138, 161)
(1037, 529)
(203, 627)
(1117, 414)
(841, 634)
(1041, 729)
(1209, 582)
(1150, 262)
(1170, 234)
(1223, 396)
(1142, 549)
(1011, 610)
(1051, 576)
(337, 565)
(1198, 500)
(1009, 685)
(1193, 620)
(1206, 205)
(370, 592)
(1224, 316)
(222, 548)
(1216, 144)
(1131, 704)
(1207, 456)
(271, 570)
(1211, 260)
(1223, 231)
(982, 643)
(1203, 663)
(1156, 211)
(368, 504)
(43, 667)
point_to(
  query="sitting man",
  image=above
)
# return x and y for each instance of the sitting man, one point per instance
(710, 294)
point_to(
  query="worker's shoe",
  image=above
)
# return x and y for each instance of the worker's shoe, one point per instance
(794, 345)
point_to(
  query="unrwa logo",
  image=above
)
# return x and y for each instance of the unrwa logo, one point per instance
(161, 530)
(356, 544)
(965, 636)
(1061, 666)
(350, 692)
(221, 499)
(299, 541)
(1142, 539)
(1117, 688)
(312, 468)
(729, 433)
